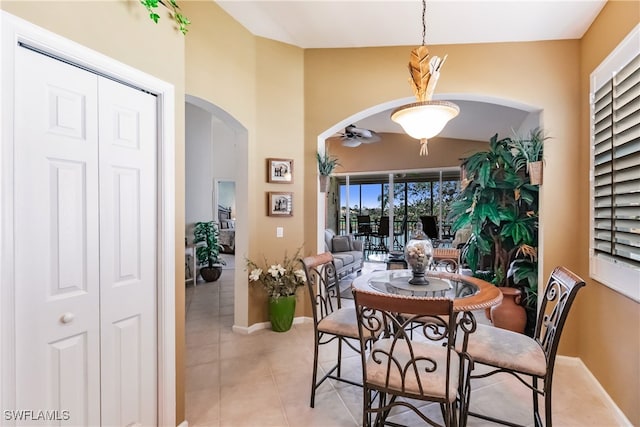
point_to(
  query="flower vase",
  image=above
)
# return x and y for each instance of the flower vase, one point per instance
(281, 312)
(418, 253)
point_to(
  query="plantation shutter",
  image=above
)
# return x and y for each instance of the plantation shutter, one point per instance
(616, 163)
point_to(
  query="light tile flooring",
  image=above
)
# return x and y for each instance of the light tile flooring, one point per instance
(263, 379)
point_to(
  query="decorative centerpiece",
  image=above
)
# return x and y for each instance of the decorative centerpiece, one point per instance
(418, 253)
(280, 281)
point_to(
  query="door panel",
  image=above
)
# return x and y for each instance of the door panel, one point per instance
(56, 244)
(127, 147)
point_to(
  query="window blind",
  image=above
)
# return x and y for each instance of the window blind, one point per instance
(616, 166)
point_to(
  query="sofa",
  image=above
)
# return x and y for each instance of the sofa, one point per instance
(348, 252)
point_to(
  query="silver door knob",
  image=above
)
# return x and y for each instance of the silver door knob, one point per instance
(67, 318)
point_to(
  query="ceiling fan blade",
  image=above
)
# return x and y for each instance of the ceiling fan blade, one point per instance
(373, 138)
(361, 132)
(351, 142)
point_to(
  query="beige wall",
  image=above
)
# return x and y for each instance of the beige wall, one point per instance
(609, 334)
(123, 31)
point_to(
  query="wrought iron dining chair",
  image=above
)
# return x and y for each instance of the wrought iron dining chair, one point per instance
(430, 228)
(381, 234)
(529, 359)
(331, 321)
(397, 370)
(364, 230)
(397, 232)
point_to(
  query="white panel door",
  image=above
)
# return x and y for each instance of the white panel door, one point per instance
(128, 228)
(85, 246)
(56, 240)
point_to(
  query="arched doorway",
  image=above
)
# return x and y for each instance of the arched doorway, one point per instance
(503, 116)
(223, 136)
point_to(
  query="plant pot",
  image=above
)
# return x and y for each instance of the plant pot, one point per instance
(281, 311)
(210, 274)
(535, 172)
(325, 180)
(509, 314)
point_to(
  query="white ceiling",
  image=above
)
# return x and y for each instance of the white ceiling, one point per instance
(359, 23)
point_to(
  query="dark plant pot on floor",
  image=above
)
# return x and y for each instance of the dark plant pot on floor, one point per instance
(210, 274)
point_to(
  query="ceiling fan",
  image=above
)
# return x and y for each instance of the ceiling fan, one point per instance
(354, 136)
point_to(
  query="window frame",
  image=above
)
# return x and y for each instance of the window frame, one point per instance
(617, 275)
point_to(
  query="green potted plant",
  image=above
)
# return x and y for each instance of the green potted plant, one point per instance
(529, 154)
(326, 165)
(501, 207)
(208, 254)
(280, 281)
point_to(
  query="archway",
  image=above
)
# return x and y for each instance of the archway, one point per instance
(236, 140)
(528, 117)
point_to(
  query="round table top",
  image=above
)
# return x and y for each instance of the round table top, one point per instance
(468, 293)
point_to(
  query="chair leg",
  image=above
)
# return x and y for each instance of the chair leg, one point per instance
(315, 373)
(339, 357)
(547, 402)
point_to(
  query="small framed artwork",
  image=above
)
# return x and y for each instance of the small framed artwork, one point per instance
(280, 204)
(280, 171)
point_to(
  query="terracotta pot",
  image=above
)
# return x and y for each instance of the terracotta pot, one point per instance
(324, 183)
(535, 173)
(509, 314)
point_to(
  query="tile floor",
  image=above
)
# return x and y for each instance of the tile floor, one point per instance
(263, 379)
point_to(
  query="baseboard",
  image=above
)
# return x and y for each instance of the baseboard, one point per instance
(244, 330)
(183, 424)
(622, 420)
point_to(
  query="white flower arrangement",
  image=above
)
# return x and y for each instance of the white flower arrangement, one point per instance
(281, 279)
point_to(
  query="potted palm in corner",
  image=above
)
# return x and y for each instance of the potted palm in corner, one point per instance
(326, 165)
(500, 205)
(208, 254)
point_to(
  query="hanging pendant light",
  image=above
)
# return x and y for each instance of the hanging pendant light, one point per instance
(426, 118)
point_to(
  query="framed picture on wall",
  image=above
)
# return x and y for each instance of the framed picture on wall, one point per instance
(280, 204)
(280, 171)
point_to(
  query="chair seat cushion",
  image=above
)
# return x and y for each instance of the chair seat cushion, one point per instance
(506, 349)
(433, 383)
(341, 322)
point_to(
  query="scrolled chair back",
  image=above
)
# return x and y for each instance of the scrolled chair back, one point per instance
(322, 284)
(562, 288)
(403, 361)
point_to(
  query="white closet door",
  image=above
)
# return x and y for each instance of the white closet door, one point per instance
(85, 246)
(128, 228)
(56, 239)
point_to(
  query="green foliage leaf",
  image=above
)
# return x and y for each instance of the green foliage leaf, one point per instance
(179, 18)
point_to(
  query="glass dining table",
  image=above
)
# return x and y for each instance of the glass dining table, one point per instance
(468, 293)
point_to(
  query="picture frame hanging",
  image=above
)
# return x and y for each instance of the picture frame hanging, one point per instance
(280, 171)
(280, 203)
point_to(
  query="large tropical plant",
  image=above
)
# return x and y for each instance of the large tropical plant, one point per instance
(500, 206)
(209, 254)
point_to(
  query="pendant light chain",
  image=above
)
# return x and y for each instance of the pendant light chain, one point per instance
(424, 21)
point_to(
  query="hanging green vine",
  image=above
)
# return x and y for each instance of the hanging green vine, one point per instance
(181, 20)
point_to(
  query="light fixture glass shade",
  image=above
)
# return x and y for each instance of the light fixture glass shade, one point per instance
(426, 119)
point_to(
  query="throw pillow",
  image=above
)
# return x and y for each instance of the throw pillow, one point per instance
(341, 244)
